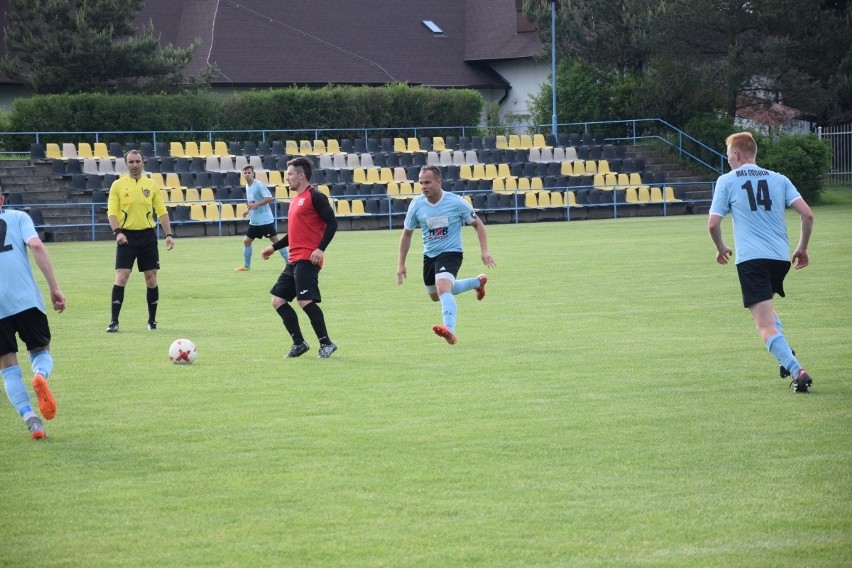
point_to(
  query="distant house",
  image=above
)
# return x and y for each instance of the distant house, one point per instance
(485, 45)
(765, 116)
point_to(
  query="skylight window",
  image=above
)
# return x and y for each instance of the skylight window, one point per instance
(433, 27)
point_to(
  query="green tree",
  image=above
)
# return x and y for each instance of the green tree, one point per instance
(703, 56)
(57, 46)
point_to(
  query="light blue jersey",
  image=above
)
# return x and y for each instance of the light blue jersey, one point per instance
(18, 289)
(441, 223)
(756, 197)
(263, 214)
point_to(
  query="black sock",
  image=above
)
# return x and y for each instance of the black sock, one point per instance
(291, 323)
(153, 300)
(317, 322)
(117, 300)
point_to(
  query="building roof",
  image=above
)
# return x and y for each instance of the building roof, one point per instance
(369, 42)
(492, 32)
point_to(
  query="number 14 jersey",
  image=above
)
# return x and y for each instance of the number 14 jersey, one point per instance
(756, 198)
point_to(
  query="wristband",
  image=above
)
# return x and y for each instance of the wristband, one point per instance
(169, 235)
(116, 232)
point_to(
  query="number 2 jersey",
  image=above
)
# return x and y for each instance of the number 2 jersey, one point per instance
(756, 198)
(18, 289)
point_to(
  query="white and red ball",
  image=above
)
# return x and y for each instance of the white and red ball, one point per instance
(182, 352)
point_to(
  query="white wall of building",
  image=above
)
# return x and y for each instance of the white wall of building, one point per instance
(526, 78)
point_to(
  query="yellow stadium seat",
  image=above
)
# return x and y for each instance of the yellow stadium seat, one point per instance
(282, 192)
(52, 151)
(359, 175)
(399, 145)
(207, 194)
(557, 199)
(530, 200)
(305, 147)
(176, 150)
(227, 212)
(319, 147)
(356, 206)
(211, 211)
(591, 167)
(669, 193)
(502, 142)
(498, 185)
(220, 149)
(205, 148)
(240, 209)
(158, 179)
(291, 147)
(438, 144)
(538, 141)
(190, 150)
(343, 208)
(175, 197)
(196, 212)
(101, 151)
(274, 177)
(526, 142)
(191, 194)
(544, 199)
(373, 175)
(565, 169)
(84, 150)
(173, 181)
(333, 146)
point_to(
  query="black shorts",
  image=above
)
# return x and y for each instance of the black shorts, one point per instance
(761, 278)
(141, 247)
(299, 280)
(258, 231)
(445, 262)
(31, 325)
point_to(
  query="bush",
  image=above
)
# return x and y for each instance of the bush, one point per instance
(711, 129)
(295, 108)
(805, 159)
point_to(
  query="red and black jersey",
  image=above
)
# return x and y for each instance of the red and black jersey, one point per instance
(311, 224)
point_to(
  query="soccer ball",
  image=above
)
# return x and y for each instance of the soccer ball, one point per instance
(182, 352)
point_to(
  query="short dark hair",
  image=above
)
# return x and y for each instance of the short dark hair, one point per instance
(248, 167)
(434, 169)
(133, 152)
(303, 164)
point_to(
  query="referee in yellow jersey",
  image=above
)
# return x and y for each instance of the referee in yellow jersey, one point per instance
(133, 201)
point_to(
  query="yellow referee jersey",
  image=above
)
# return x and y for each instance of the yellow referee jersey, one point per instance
(135, 202)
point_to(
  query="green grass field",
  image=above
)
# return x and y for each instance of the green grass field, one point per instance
(608, 404)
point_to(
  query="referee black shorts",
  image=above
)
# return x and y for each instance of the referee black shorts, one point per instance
(141, 248)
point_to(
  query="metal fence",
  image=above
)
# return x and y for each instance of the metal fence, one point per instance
(840, 138)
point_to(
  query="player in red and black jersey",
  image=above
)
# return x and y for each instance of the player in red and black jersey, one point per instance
(311, 225)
